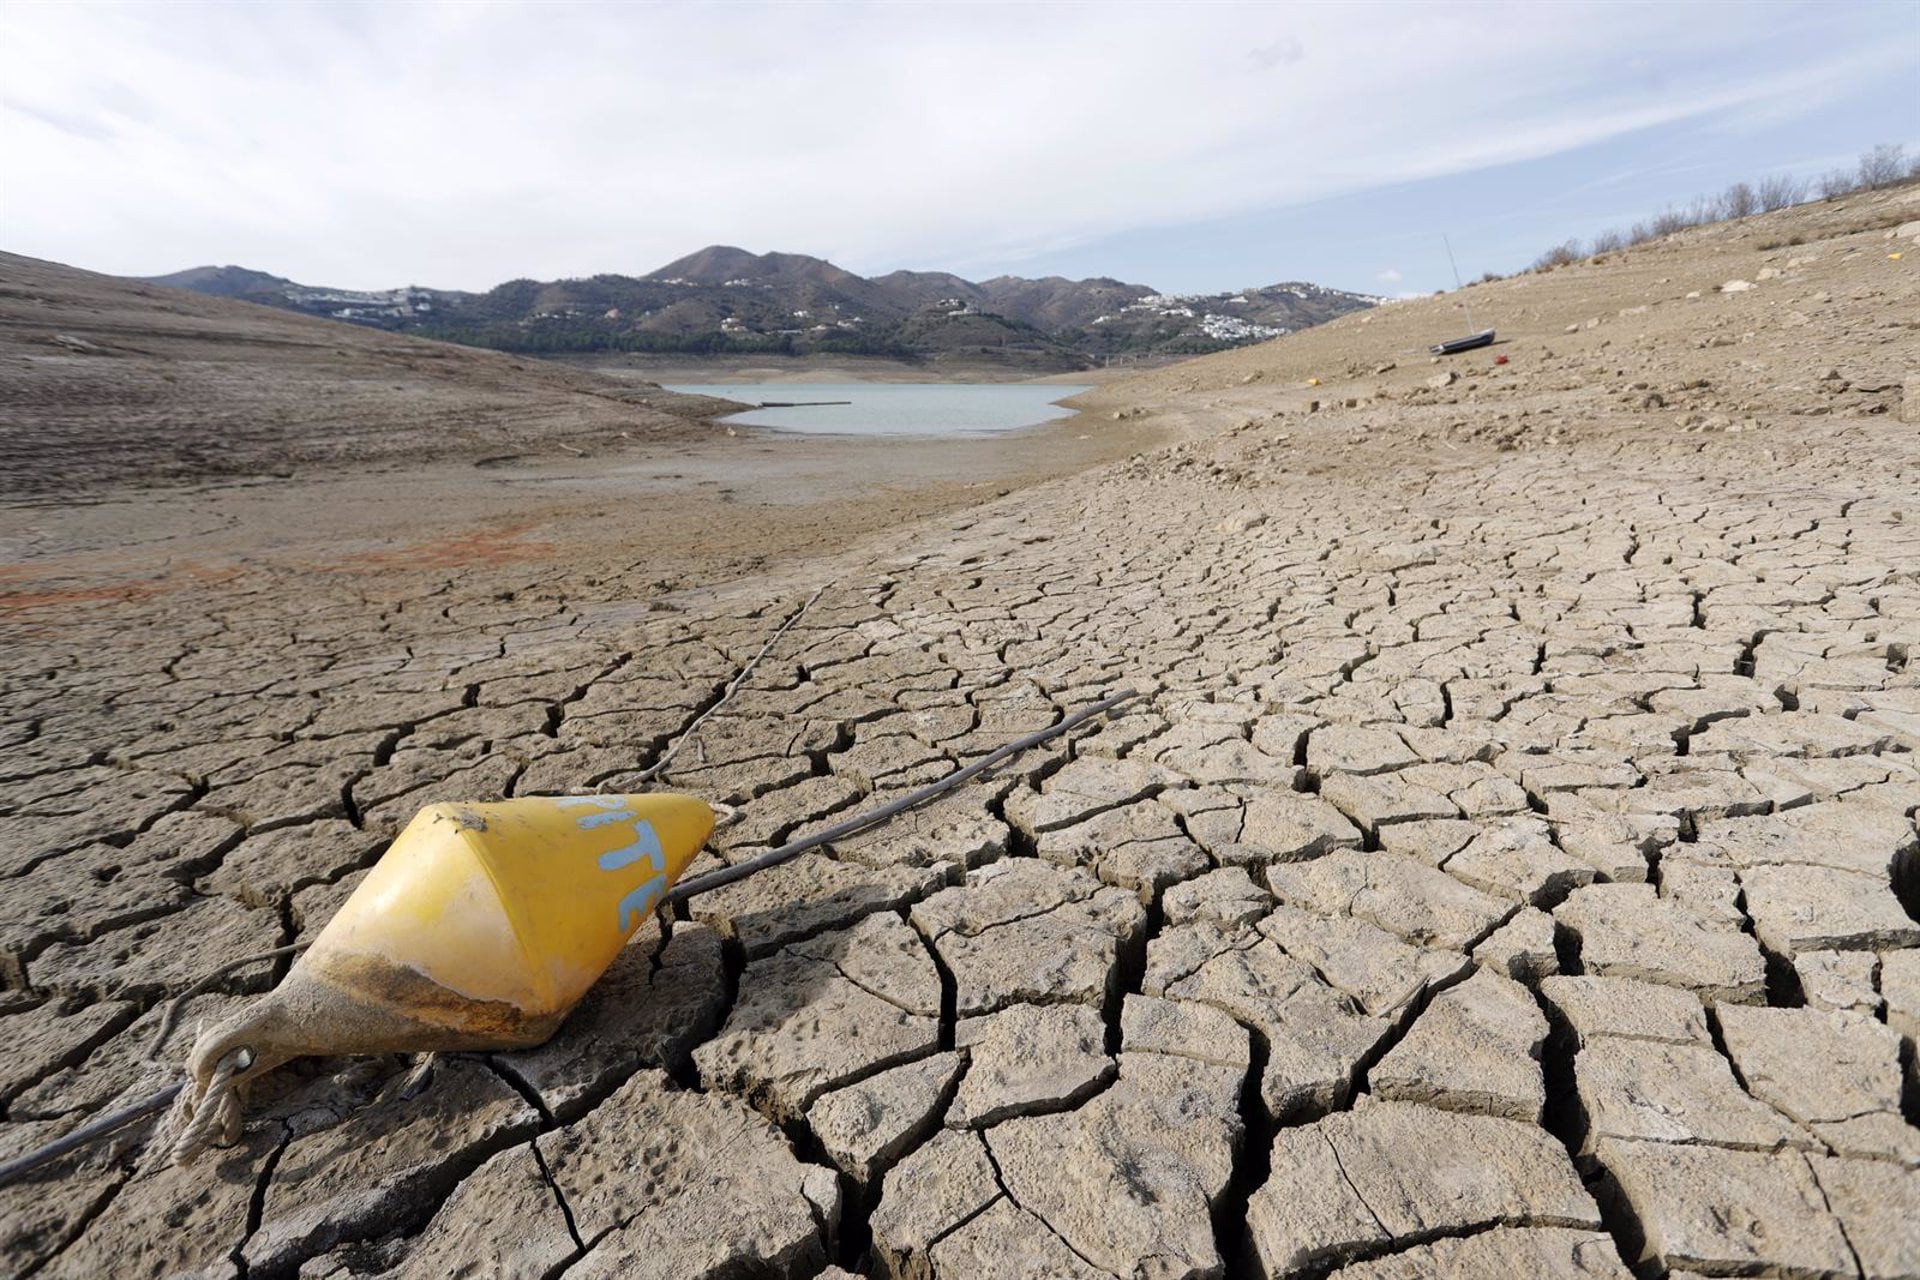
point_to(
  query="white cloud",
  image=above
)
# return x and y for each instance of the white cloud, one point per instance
(456, 144)
(1389, 276)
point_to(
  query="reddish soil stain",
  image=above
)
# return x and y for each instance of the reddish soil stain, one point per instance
(500, 545)
(187, 575)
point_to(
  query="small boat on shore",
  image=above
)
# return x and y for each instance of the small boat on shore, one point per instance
(1471, 342)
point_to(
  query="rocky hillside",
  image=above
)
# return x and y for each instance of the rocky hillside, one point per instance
(106, 381)
(723, 300)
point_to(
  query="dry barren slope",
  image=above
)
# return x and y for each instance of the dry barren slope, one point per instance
(1760, 310)
(108, 382)
(1514, 873)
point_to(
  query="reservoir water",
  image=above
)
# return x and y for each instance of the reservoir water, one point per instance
(894, 408)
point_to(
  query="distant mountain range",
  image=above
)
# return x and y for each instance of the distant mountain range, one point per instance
(726, 301)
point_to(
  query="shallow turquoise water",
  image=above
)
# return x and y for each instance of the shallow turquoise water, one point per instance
(896, 408)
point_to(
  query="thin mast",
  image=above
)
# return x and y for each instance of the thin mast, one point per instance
(1460, 288)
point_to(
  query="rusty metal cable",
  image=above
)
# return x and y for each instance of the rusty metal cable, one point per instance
(893, 808)
(186, 1142)
(659, 767)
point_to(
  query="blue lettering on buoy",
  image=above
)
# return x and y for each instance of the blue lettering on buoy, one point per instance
(612, 809)
(635, 906)
(645, 844)
(593, 820)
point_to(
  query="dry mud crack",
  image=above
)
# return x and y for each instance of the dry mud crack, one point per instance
(1514, 872)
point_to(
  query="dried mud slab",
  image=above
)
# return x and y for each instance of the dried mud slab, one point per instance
(1513, 870)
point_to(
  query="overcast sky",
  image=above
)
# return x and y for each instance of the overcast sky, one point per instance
(1187, 146)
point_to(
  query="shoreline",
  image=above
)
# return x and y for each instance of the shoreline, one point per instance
(699, 511)
(804, 370)
(880, 411)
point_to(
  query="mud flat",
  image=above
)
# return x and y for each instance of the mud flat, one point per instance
(1514, 872)
(151, 433)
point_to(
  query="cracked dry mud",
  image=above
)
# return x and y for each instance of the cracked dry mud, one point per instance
(1514, 872)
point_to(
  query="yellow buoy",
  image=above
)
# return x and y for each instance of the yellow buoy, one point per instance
(479, 928)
